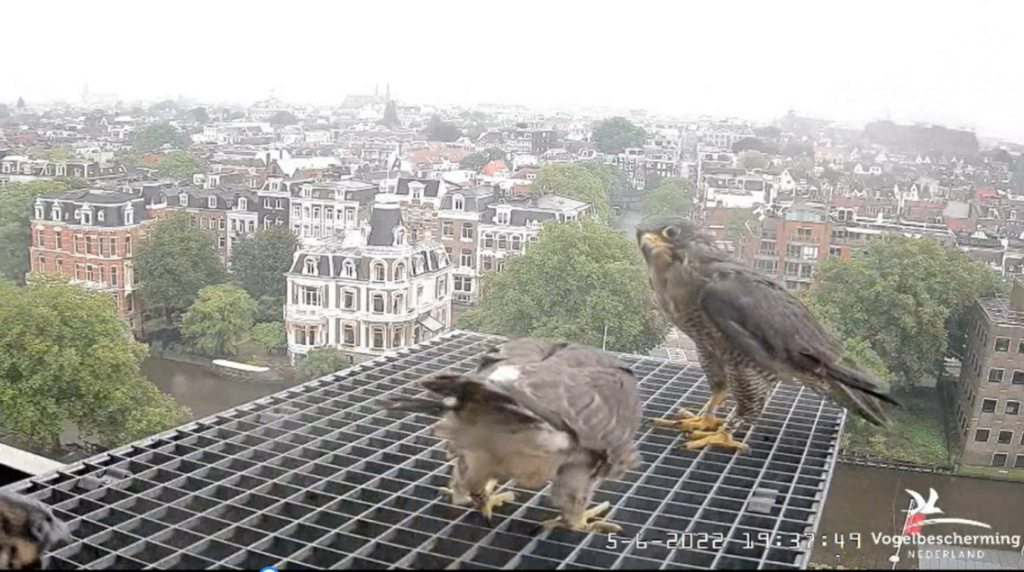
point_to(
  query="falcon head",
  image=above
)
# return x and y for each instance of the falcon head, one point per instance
(666, 238)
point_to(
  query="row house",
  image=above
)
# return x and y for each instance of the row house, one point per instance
(458, 222)
(369, 292)
(21, 166)
(531, 141)
(226, 215)
(90, 236)
(420, 201)
(733, 188)
(329, 208)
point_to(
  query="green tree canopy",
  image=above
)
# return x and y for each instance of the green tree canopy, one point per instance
(221, 317)
(200, 115)
(440, 130)
(612, 179)
(574, 181)
(617, 134)
(320, 362)
(906, 297)
(755, 160)
(15, 233)
(674, 196)
(282, 118)
(474, 161)
(576, 280)
(66, 357)
(178, 165)
(154, 137)
(755, 144)
(269, 336)
(259, 262)
(175, 263)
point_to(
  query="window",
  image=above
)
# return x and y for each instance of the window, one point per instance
(1005, 437)
(378, 337)
(305, 335)
(467, 231)
(1018, 377)
(329, 213)
(129, 215)
(89, 273)
(399, 237)
(399, 271)
(220, 223)
(127, 246)
(378, 303)
(466, 258)
(183, 199)
(1002, 344)
(100, 216)
(103, 275)
(86, 216)
(243, 204)
(113, 276)
(803, 234)
(488, 262)
(348, 269)
(502, 242)
(42, 263)
(489, 243)
(349, 335)
(458, 203)
(447, 229)
(981, 435)
(995, 375)
(220, 239)
(202, 222)
(39, 239)
(252, 226)
(988, 405)
(516, 243)
(1020, 346)
(999, 460)
(1013, 408)
(1018, 462)
(309, 296)
(835, 251)
(348, 300)
(39, 211)
(396, 337)
(806, 270)
(442, 285)
(89, 245)
(58, 243)
(296, 212)
(378, 271)
(397, 304)
(55, 214)
(502, 218)
(310, 266)
(60, 266)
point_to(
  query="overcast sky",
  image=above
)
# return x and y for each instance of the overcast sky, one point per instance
(958, 63)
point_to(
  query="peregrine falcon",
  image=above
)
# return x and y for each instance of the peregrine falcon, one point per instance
(536, 411)
(28, 530)
(749, 332)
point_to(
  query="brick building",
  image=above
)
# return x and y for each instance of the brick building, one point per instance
(90, 236)
(991, 386)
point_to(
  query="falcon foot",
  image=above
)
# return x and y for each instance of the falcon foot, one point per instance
(690, 422)
(720, 437)
(588, 522)
(458, 498)
(486, 501)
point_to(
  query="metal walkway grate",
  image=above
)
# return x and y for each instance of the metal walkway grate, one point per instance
(317, 477)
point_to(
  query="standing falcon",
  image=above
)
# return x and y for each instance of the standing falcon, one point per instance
(28, 530)
(535, 412)
(749, 331)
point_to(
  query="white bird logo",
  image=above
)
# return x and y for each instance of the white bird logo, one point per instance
(929, 507)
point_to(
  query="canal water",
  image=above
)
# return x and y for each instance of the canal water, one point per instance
(202, 391)
(870, 500)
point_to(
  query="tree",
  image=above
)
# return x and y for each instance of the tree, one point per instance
(259, 262)
(219, 319)
(15, 232)
(282, 118)
(200, 115)
(617, 134)
(673, 197)
(612, 179)
(270, 336)
(755, 160)
(67, 359)
(320, 362)
(390, 118)
(155, 137)
(440, 130)
(652, 181)
(57, 155)
(269, 309)
(495, 154)
(21, 104)
(175, 263)
(574, 181)
(474, 161)
(178, 165)
(165, 105)
(906, 297)
(577, 280)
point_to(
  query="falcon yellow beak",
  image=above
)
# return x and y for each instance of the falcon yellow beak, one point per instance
(653, 240)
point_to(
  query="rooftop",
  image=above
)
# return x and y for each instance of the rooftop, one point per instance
(318, 476)
(999, 312)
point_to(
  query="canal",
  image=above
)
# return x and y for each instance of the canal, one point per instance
(202, 391)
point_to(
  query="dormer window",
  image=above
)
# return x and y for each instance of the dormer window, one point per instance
(39, 211)
(55, 213)
(243, 204)
(416, 190)
(211, 202)
(86, 215)
(183, 199)
(399, 237)
(458, 203)
(100, 216)
(129, 215)
(310, 267)
(307, 191)
(503, 217)
(348, 269)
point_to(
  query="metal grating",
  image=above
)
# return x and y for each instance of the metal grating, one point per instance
(317, 477)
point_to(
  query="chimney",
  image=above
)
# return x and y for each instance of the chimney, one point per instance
(1017, 295)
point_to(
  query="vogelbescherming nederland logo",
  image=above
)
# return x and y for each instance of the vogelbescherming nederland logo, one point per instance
(921, 510)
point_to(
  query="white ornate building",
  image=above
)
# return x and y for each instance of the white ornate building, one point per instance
(368, 291)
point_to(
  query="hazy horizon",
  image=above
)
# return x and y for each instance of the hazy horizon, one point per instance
(908, 61)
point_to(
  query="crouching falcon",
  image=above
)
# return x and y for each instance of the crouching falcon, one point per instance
(536, 411)
(749, 332)
(28, 531)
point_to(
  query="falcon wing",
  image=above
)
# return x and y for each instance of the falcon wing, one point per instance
(775, 330)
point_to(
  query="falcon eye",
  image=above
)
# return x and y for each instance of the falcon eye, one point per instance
(670, 232)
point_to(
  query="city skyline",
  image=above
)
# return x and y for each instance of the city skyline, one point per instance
(886, 61)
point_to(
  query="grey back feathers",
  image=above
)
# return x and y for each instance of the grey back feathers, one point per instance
(28, 530)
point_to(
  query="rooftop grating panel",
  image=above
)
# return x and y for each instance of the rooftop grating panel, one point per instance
(317, 477)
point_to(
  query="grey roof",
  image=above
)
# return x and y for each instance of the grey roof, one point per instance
(430, 189)
(384, 219)
(318, 475)
(110, 203)
(476, 199)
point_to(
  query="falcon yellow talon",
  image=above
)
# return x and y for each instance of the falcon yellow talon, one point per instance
(456, 499)
(692, 423)
(720, 437)
(487, 500)
(588, 522)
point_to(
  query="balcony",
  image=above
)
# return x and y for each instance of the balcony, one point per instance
(307, 314)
